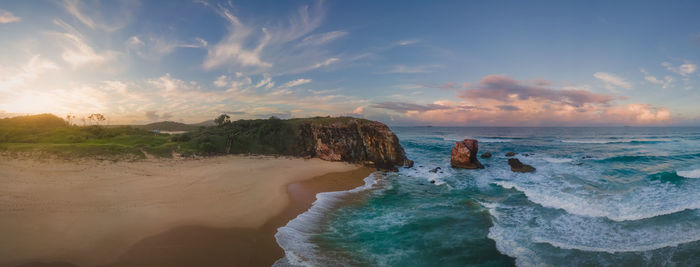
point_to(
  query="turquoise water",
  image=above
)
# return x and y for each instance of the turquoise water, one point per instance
(600, 196)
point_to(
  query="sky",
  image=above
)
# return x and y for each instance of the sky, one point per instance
(442, 63)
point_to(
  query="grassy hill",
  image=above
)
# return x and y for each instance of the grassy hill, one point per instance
(46, 134)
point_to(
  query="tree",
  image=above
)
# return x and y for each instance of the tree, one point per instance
(222, 120)
(70, 118)
(97, 117)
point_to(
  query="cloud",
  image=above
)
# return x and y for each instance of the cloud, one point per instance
(245, 45)
(406, 107)
(503, 88)
(221, 81)
(508, 107)
(414, 69)
(665, 83)
(297, 82)
(76, 50)
(322, 38)
(151, 47)
(15, 80)
(152, 115)
(8, 17)
(684, 69)
(612, 81)
(121, 16)
(499, 100)
(406, 42)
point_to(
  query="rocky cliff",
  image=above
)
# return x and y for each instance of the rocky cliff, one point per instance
(352, 140)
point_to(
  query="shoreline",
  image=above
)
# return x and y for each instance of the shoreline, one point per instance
(103, 231)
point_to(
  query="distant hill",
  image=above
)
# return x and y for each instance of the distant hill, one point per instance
(205, 123)
(168, 126)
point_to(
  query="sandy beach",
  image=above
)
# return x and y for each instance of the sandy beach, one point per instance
(220, 211)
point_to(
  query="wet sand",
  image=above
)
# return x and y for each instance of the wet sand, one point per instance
(222, 211)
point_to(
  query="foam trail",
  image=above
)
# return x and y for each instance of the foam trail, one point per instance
(689, 174)
(597, 206)
(293, 237)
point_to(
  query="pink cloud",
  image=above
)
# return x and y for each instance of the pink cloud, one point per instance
(503, 101)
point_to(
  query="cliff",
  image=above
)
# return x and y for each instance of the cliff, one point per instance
(335, 139)
(352, 140)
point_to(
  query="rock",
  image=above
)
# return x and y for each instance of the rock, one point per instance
(352, 140)
(432, 181)
(464, 155)
(435, 170)
(517, 166)
(486, 155)
(587, 157)
(510, 154)
(526, 154)
(408, 163)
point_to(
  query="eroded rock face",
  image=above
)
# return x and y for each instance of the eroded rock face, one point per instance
(464, 155)
(353, 140)
(517, 166)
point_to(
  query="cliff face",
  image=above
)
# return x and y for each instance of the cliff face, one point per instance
(353, 140)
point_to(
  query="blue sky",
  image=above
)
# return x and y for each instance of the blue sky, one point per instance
(461, 63)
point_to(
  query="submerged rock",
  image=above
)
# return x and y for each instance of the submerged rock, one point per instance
(464, 155)
(510, 154)
(435, 170)
(517, 166)
(486, 155)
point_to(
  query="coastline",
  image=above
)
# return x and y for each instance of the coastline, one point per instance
(214, 211)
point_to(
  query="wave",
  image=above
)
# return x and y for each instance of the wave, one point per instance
(293, 238)
(681, 240)
(615, 208)
(689, 174)
(633, 158)
(558, 160)
(617, 141)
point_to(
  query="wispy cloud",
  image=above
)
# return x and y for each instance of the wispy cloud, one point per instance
(77, 9)
(76, 50)
(151, 47)
(8, 17)
(414, 69)
(612, 81)
(684, 69)
(665, 83)
(322, 38)
(297, 82)
(245, 45)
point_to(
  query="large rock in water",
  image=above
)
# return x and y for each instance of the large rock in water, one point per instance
(517, 166)
(353, 140)
(464, 155)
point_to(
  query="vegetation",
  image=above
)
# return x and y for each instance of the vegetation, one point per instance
(48, 134)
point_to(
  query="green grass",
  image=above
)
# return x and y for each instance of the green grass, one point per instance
(48, 135)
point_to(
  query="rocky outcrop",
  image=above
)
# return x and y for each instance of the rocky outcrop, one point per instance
(510, 154)
(352, 140)
(464, 155)
(486, 155)
(517, 166)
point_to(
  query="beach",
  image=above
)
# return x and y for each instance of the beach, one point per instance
(217, 211)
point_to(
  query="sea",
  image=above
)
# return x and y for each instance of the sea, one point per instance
(612, 196)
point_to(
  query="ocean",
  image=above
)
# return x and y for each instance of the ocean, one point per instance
(622, 196)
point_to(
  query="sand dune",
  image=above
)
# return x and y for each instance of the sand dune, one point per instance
(90, 213)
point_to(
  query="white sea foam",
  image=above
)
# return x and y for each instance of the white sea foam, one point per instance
(558, 160)
(293, 238)
(633, 205)
(610, 141)
(689, 174)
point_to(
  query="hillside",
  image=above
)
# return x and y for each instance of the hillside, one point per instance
(334, 139)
